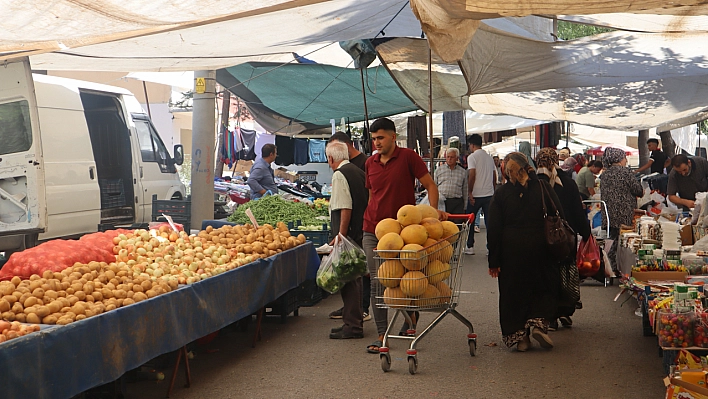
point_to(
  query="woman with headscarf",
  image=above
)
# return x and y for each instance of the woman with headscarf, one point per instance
(569, 167)
(528, 280)
(525, 148)
(580, 158)
(619, 189)
(569, 196)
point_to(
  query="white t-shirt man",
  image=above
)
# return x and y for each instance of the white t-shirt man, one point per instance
(483, 164)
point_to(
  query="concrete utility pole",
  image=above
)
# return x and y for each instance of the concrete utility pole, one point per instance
(203, 137)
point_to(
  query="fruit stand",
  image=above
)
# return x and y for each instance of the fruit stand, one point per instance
(96, 347)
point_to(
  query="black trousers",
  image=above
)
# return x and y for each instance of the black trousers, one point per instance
(455, 206)
(352, 312)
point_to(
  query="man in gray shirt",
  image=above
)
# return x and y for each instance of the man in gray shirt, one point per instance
(586, 179)
(261, 179)
(688, 177)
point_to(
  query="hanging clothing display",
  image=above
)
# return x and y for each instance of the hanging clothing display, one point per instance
(226, 152)
(286, 150)
(302, 151)
(247, 144)
(417, 133)
(263, 138)
(317, 151)
(453, 125)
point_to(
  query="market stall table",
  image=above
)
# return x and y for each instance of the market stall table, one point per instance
(62, 361)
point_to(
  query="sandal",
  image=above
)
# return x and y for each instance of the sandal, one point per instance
(376, 344)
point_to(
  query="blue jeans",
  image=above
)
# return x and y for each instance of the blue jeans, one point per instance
(480, 203)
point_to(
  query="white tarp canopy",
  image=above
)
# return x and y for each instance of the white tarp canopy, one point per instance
(451, 24)
(165, 35)
(474, 123)
(643, 22)
(617, 80)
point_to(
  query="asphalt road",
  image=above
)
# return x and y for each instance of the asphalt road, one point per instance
(603, 355)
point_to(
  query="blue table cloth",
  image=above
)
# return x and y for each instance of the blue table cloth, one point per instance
(62, 361)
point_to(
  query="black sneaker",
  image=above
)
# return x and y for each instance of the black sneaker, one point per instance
(566, 321)
(343, 335)
(337, 314)
(337, 329)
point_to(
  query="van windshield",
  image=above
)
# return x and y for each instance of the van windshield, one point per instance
(15, 127)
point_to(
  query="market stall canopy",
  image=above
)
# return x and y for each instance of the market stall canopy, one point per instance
(289, 99)
(642, 22)
(474, 123)
(617, 80)
(451, 24)
(164, 35)
(600, 150)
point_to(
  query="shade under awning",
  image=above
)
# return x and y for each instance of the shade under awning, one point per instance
(292, 98)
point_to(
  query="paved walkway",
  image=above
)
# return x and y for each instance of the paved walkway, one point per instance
(604, 355)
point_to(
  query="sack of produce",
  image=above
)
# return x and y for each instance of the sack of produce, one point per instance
(588, 258)
(55, 255)
(346, 263)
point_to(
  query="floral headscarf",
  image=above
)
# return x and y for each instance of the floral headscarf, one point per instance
(612, 155)
(569, 164)
(547, 161)
(517, 168)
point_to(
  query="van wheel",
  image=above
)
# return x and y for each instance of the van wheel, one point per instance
(31, 240)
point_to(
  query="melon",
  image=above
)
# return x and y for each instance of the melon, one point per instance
(434, 228)
(414, 234)
(430, 297)
(413, 283)
(386, 226)
(449, 230)
(430, 246)
(395, 298)
(413, 257)
(427, 211)
(390, 242)
(445, 292)
(390, 273)
(408, 215)
(444, 253)
(437, 271)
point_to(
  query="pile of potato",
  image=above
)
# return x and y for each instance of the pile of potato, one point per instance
(78, 292)
(148, 264)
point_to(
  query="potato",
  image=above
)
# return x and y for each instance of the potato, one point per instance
(30, 301)
(33, 318)
(7, 289)
(139, 296)
(16, 280)
(89, 312)
(80, 317)
(97, 296)
(110, 307)
(90, 298)
(38, 293)
(128, 301)
(119, 294)
(147, 285)
(70, 291)
(81, 295)
(54, 306)
(77, 286)
(107, 293)
(62, 321)
(73, 299)
(129, 294)
(78, 308)
(49, 319)
(151, 293)
(43, 311)
(119, 302)
(10, 298)
(65, 309)
(50, 294)
(18, 295)
(21, 317)
(9, 316)
(17, 308)
(88, 287)
(65, 302)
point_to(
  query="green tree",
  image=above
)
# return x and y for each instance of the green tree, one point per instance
(572, 30)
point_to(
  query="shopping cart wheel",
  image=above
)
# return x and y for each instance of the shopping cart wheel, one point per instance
(412, 364)
(473, 347)
(385, 362)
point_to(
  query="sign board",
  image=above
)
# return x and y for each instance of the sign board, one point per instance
(200, 85)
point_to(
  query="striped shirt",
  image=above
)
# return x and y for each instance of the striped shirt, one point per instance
(452, 183)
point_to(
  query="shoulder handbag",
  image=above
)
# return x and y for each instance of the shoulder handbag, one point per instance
(560, 237)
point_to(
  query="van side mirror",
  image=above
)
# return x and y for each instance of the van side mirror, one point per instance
(179, 154)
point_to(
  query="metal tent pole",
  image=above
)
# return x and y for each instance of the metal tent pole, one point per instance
(367, 137)
(203, 135)
(430, 108)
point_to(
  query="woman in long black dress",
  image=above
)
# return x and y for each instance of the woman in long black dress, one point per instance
(568, 194)
(518, 255)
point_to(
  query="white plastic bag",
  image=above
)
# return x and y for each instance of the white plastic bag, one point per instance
(441, 201)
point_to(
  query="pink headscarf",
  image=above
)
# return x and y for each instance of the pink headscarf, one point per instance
(569, 164)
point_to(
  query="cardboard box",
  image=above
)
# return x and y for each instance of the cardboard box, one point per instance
(243, 166)
(660, 276)
(285, 174)
(687, 235)
(679, 389)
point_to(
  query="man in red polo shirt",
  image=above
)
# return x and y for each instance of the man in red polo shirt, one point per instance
(390, 178)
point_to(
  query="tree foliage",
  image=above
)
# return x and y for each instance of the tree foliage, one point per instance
(572, 30)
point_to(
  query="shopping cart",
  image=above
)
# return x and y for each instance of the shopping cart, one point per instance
(424, 281)
(600, 238)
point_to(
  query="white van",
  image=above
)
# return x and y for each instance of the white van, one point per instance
(75, 155)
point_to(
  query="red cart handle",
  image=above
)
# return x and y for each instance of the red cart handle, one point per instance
(470, 217)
